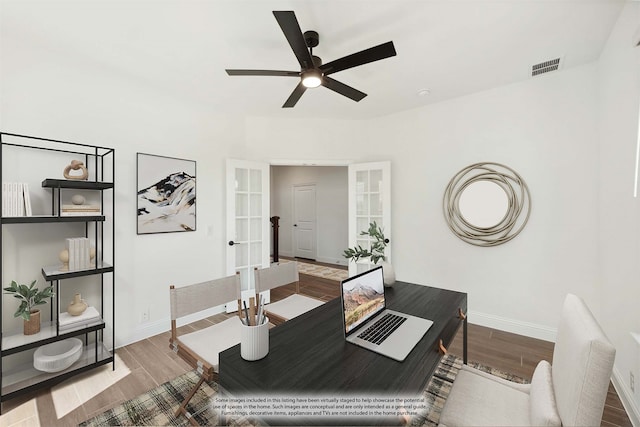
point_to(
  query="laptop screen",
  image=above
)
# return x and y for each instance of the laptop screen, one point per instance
(362, 297)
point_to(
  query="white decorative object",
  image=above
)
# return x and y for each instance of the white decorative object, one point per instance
(78, 199)
(388, 273)
(15, 198)
(254, 341)
(78, 254)
(58, 355)
(88, 317)
(27, 200)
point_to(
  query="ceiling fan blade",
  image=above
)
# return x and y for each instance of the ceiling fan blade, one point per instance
(263, 73)
(342, 89)
(295, 96)
(372, 54)
(291, 29)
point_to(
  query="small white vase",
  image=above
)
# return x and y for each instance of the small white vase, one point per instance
(388, 273)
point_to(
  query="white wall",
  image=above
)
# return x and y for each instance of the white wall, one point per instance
(63, 97)
(544, 128)
(331, 207)
(619, 226)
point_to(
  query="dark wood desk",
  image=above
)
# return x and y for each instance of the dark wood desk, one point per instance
(309, 353)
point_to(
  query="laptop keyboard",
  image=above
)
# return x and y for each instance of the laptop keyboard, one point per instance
(383, 327)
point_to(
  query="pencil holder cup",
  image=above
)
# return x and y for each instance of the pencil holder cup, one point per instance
(254, 341)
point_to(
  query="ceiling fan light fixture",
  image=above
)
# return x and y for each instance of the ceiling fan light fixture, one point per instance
(313, 72)
(312, 78)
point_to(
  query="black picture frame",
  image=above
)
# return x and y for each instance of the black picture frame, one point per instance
(166, 194)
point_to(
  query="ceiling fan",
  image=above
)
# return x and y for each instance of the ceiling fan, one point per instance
(313, 72)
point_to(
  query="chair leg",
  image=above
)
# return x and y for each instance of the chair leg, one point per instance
(183, 407)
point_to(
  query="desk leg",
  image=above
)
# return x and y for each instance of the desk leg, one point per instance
(464, 339)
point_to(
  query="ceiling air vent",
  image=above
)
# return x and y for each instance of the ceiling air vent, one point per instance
(545, 67)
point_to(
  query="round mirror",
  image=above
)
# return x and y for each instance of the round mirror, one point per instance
(486, 204)
(483, 204)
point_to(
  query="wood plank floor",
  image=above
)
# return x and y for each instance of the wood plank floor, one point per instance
(152, 362)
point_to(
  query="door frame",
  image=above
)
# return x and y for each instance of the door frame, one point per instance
(348, 164)
(309, 162)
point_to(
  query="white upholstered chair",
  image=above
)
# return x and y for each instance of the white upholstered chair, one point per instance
(281, 274)
(572, 392)
(200, 349)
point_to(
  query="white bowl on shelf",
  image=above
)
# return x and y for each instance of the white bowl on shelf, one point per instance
(58, 355)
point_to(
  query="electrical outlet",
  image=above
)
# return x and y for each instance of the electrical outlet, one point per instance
(144, 316)
(632, 382)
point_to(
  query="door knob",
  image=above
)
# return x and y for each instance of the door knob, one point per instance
(231, 243)
(295, 225)
(386, 240)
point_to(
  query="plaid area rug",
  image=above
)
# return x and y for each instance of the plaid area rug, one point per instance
(157, 407)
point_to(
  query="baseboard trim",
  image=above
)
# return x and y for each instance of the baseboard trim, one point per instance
(626, 397)
(149, 329)
(335, 261)
(327, 260)
(527, 329)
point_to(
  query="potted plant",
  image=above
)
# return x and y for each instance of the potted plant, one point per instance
(29, 297)
(375, 253)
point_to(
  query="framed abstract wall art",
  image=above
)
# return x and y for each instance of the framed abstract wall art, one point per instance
(166, 189)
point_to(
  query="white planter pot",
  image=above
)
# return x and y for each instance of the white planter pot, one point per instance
(388, 273)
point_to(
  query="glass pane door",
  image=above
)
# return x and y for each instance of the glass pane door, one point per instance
(369, 201)
(248, 236)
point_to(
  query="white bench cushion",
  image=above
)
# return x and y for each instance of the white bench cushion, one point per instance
(293, 306)
(209, 342)
(480, 399)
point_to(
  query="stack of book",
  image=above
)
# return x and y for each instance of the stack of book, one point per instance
(15, 199)
(71, 210)
(78, 248)
(67, 322)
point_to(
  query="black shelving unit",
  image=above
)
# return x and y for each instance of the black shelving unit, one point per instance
(22, 377)
(47, 218)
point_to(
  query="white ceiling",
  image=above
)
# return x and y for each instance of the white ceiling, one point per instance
(182, 47)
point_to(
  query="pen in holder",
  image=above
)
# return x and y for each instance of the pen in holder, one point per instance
(254, 340)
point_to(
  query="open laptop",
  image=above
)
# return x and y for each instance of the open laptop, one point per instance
(369, 324)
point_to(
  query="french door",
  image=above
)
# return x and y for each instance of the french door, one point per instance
(247, 221)
(369, 201)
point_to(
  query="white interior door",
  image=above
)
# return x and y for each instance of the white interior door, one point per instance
(369, 201)
(248, 236)
(304, 221)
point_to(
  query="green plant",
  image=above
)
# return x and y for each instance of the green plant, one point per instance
(30, 297)
(377, 246)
